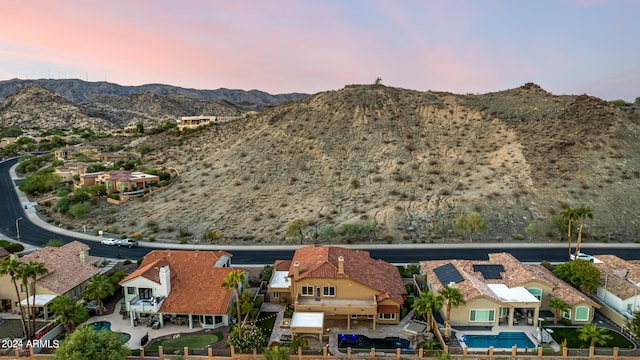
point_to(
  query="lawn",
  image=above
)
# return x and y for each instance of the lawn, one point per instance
(267, 321)
(169, 346)
(571, 334)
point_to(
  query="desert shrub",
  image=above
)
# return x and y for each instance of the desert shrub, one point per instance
(80, 210)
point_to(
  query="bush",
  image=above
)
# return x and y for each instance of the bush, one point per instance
(14, 248)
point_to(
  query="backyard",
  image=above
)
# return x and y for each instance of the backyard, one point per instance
(194, 342)
(571, 334)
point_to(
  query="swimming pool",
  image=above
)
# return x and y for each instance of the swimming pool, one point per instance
(356, 342)
(502, 340)
(105, 325)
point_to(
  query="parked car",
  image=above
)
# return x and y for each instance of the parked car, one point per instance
(583, 256)
(128, 242)
(110, 241)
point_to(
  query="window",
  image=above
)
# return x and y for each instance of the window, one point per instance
(567, 314)
(276, 294)
(481, 315)
(629, 308)
(131, 290)
(306, 291)
(582, 313)
(504, 312)
(145, 293)
(536, 292)
(329, 291)
(23, 288)
(387, 316)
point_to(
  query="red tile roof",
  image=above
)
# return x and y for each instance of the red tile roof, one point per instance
(318, 261)
(196, 284)
(64, 266)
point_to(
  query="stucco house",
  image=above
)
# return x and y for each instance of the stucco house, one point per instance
(119, 180)
(69, 269)
(503, 291)
(341, 283)
(68, 152)
(184, 287)
(619, 284)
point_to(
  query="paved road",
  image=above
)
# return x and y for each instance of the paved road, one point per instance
(35, 231)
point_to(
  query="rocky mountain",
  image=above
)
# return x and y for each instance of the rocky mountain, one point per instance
(37, 107)
(412, 161)
(79, 91)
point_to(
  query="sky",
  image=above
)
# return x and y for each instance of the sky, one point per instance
(568, 47)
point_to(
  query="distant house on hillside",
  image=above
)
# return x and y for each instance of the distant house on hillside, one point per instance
(119, 180)
(68, 152)
(190, 122)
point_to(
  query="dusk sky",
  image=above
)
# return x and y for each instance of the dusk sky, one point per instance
(474, 46)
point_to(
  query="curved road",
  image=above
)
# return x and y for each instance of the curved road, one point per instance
(38, 232)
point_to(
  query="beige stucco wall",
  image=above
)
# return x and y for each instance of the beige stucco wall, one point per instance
(460, 315)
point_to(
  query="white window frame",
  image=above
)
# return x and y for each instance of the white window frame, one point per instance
(567, 314)
(276, 294)
(491, 315)
(382, 316)
(326, 290)
(306, 290)
(588, 313)
(131, 290)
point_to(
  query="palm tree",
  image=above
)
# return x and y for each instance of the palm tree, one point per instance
(33, 270)
(234, 281)
(569, 215)
(24, 274)
(10, 267)
(453, 299)
(69, 314)
(594, 334)
(583, 213)
(558, 306)
(99, 287)
(425, 304)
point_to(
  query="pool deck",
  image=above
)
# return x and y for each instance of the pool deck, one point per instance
(530, 331)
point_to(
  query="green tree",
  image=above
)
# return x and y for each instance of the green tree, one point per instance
(583, 214)
(633, 324)
(98, 287)
(277, 353)
(425, 304)
(247, 338)
(9, 267)
(296, 228)
(532, 229)
(88, 344)
(558, 306)
(569, 215)
(32, 271)
(378, 81)
(594, 335)
(581, 274)
(140, 127)
(471, 224)
(453, 298)
(54, 243)
(69, 313)
(234, 281)
(80, 210)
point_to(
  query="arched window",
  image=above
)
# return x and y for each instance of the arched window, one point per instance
(582, 313)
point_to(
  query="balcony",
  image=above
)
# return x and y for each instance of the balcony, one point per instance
(146, 305)
(336, 305)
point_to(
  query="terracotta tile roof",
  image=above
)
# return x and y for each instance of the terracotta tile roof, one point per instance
(196, 283)
(515, 275)
(64, 266)
(282, 265)
(561, 289)
(619, 276)
(318, 261)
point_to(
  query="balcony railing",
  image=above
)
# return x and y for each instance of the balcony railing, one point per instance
(336, 306)
(146, 305)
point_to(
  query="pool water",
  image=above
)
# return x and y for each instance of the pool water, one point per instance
(363, 342)
(105, 325)
(502, 340)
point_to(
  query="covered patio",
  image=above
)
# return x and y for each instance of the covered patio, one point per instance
(307, 323)
(41, 302)
(518, 298)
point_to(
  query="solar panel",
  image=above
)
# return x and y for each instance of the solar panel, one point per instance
(448, 273)
(489, 271)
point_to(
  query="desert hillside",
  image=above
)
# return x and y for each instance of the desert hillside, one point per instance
(412, 161)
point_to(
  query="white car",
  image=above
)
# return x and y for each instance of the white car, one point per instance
(110, 241)
(583, 256)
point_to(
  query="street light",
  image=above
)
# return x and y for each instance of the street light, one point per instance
(18, 228)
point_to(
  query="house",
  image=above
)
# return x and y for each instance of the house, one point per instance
(341, 283)
(122, 181)
(190, 122)
(182, 287)
(67, 171)
(69, 269)
(68, 152)
(503, 291)
(619, 284)
(111, 158)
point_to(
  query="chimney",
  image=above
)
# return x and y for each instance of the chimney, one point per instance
(84, 257)
(296, 269)
(340, 265)
(165, 280)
